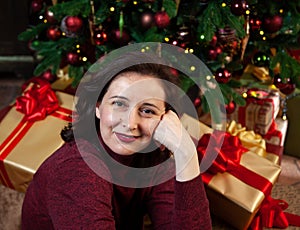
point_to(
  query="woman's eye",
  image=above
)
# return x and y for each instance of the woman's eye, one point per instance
(118, 103)
(148, 111)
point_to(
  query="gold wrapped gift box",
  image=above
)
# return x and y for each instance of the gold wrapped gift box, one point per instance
(232, 198)
(25, 145)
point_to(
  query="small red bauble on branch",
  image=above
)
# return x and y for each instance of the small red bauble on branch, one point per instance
(50, 16)
(230, 107)
(255, 23)
(54, 33)
(147, 19)
(49, 76)
(73, 58)
(286, 86)
(222, 75)
(36, 5)
(238, 7)
(272, 24)
(162, 19)
(100, 37)
(120, 38)
(74, 23)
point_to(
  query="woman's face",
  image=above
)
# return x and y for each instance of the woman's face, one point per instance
(130, 111)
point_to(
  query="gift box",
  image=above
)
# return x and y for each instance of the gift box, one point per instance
(30, 132)
(237, 180)
(275, 137)
(256, 142)
(261, 108)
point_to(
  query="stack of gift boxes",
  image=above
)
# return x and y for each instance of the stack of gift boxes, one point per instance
(260, 115)
(239, 175)
(247, 163)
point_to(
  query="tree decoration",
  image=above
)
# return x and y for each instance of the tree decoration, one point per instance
(74, 23)
(147, 19)
(255, 23)
(162, 19)
(272, 24)
(37, 5)
(183, 36)
(230, 107)
(286, 86)
(261, 59)
(65, 29)
(222, 75)
(54, 33)
(49, 15)
(48, 75)
(99, 36)
(221, 33)
(238, 7)
(73, 58)
(120, 38)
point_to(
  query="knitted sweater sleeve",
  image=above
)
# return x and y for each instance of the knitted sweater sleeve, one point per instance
(180, 205)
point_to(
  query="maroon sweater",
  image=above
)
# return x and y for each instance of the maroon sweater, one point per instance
(66, 194)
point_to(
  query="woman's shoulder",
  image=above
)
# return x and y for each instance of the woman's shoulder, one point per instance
(73, 155)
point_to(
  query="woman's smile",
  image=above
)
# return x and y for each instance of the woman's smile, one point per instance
(126, 138)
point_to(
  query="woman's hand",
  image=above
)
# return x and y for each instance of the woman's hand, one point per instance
(170, 133)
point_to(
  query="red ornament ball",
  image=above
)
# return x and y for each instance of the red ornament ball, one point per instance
(73, 58)
(222, 75)
(54, 33)
(147, 19)
(100, 37)
(49, 15)
(36, 5)
(286, 86)
(238, 7)
(272, 24)
(230, 107)
(162, 19)
(120, 38)
(49, 76)
(255, 23)
(74, 23)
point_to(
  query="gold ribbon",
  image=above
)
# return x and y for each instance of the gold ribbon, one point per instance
(249, 139)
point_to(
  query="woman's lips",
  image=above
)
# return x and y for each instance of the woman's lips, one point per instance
(125, 138)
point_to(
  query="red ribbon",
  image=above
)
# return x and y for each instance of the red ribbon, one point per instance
(228, 160)
(38, 101)
(272, 215)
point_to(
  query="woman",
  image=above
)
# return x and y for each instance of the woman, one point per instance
(140, 160)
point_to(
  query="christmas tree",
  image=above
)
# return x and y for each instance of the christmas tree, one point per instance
(245, 43)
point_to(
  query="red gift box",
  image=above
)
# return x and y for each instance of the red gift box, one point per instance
(260, 110)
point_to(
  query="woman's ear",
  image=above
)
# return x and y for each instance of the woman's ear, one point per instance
(98, 110)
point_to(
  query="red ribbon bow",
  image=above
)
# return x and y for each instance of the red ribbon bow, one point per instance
(227, 147)
(38, 101)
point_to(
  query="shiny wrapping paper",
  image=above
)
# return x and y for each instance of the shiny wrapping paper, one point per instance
(231, 194)
(29, 143)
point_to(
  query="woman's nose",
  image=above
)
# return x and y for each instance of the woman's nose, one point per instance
(132, 120)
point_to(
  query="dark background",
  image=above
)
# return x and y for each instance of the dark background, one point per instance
(15, 57)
